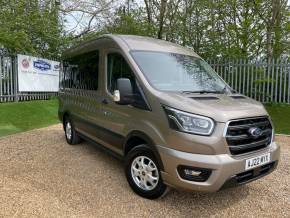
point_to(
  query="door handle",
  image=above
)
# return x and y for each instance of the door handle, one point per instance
(106, 113)
(105, 101)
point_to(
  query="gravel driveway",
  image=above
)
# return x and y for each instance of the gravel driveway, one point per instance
(43, 176)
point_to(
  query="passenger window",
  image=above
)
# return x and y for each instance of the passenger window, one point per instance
(117, 67)
(81, 71)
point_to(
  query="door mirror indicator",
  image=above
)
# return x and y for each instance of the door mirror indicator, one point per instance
(124, 87)
(116, 96)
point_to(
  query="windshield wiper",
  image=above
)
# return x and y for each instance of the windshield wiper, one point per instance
(203, 92)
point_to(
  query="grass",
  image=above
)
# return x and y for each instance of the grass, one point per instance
(280, 114)
(23, 116)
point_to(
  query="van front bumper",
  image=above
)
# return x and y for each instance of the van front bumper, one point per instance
(225, 168)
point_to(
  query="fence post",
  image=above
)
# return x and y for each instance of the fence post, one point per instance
(288, 90)
(15, 72)
(1, 77)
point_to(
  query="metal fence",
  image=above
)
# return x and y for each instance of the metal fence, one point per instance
(263, 81)
(9, 83)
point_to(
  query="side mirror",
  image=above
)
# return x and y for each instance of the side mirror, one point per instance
(124, 93)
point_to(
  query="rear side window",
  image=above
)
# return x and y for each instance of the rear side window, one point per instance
(81, 72)
(117, 67)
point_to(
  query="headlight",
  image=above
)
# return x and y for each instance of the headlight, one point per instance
(187, 122)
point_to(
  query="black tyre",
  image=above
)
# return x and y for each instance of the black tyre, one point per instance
(143, 173)
(71, 135)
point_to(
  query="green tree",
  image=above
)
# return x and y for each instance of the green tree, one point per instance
(274, 15)
(30, 26)
(227, 28)
(133, 23)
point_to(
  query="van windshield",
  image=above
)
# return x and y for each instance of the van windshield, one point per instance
(178, 72)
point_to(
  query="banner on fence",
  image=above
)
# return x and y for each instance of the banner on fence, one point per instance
(37, 74)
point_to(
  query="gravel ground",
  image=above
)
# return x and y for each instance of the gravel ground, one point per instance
(42, 176)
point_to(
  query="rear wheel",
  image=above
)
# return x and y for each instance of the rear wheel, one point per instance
(143, 173)
(71, 135)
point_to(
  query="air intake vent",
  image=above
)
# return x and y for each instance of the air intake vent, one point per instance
(238, 97)
(249, 135)
(204, 98)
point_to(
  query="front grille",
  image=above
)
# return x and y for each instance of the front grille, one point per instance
(240, 136)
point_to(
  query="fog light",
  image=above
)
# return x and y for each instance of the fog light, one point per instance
(193, 173)
(190, 172)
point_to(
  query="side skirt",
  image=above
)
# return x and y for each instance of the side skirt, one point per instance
(102, 147)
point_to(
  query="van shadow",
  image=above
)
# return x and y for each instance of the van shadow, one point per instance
(183, 203)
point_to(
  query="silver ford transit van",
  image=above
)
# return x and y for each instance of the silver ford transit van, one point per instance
(165, 112)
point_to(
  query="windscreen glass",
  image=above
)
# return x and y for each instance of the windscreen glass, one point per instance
(178, 72)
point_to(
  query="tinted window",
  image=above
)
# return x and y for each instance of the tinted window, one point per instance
(117, 67)
(81, 72)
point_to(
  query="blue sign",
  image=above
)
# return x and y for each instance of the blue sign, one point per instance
(41, 65)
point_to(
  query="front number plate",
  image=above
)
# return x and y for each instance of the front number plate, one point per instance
(258, 161)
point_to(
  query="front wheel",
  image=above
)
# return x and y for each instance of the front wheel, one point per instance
(143, 173)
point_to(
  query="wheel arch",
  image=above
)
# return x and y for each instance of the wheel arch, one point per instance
(136, 138)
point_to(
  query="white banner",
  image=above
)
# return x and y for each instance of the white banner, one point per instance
(37, 74)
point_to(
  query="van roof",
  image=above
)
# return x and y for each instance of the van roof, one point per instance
(151, 44)
(133, 42)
